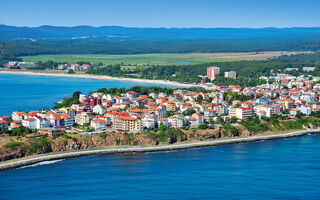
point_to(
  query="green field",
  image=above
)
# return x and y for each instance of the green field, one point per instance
(151, 59)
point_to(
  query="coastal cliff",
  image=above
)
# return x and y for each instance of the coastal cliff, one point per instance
(20, 148)
(104, 151)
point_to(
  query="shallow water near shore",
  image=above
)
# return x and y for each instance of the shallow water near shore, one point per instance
(32, 92)
(276, 169)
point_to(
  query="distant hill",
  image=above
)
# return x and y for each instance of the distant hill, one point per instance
(125, 33)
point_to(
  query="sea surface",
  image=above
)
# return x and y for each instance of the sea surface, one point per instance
(32, 92)
(277, 169)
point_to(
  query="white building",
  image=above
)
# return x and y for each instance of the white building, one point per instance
(99, 109)
(148, 122)
(30, 123)
(231, 74)
(176, 121)
(99, 124)
(18, 115)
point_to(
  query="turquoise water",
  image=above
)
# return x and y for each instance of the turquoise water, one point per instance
(31, 92)
(278, 169)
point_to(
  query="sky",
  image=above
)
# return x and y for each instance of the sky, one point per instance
(162, 13)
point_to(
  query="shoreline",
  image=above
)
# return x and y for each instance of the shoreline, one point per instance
(12, 164)
(101, 77)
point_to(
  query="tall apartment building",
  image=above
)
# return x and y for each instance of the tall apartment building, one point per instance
(212, 72)
(127, 124)
(231, 74)
(240, 113)
(244, 113)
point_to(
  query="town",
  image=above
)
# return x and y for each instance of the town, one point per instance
(131, 112)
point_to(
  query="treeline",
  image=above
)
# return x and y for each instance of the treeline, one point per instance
(145, 90)
(141, 90)
(248, 72)
(68, 101)
(25, 48)
(304, 57)
(6, 56)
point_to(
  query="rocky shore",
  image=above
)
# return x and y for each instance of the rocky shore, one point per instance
(45, 157)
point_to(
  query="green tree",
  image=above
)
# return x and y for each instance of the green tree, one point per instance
(199, 98)
(71, 71)
(4, 129)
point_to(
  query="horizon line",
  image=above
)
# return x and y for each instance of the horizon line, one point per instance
(84, 25)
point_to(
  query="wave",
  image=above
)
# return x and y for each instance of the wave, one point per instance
(42, 163)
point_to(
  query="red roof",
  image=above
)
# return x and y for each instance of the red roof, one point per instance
(163, 119)
(125, 118)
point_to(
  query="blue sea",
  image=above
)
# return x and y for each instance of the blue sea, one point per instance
(31, 92)
(277, 169)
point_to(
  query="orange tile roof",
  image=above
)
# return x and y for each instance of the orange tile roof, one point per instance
(126, 118)
(30, 119)
(19, 113)
(162, 119)
(5, 117)
(100, 121)
(113, 113)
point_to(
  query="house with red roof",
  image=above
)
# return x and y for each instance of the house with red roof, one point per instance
(98, 124)
(18, 115)
(132, 94)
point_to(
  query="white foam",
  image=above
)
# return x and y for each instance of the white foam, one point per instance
(43, 163)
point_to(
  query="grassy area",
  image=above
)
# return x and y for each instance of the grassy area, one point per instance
(150, 59)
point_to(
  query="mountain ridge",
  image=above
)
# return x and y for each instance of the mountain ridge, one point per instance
(48, 32)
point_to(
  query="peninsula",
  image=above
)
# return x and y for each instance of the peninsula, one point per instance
(155, 118)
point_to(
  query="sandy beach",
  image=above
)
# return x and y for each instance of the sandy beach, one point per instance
(44, 73)
(20, 162)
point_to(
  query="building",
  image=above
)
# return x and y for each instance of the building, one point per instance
(149, 122)
(305, 110)
(289, 104)
(132, 94)
(210, 113)
(83, 118)
(171, 106)
(18, 115)
(276, 109)
(26, 64)
(244, 113)
(240, 113)
(69, 120)
(176, 121)
(41, 122)
(127, 124)
(99, 124)
(99, 109)
(3, 123)
(231, 74)
(308, 69)
(232, 112)
(163, 121)
(199, 118)
(30, 123)
(212, 72)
